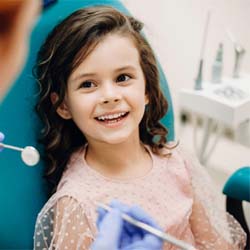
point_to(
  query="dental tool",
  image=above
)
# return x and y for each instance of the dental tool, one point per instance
(239, 52)
(164, 236)
(198, 80)
(218, 65)
(29, 155)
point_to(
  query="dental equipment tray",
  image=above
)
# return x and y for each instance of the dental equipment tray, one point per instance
(227, 102)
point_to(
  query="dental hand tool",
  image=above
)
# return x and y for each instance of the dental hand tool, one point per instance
(164, 236)
(29, 155)
(198, 80)
(239, 52)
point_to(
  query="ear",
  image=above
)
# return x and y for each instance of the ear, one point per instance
(146, 99)
(63, 109)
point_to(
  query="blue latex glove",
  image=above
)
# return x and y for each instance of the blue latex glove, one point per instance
(117, 234)
(1, 140)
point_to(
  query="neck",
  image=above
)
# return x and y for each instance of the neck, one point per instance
(118, 159)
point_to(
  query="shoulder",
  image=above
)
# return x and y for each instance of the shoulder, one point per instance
(198, 174)
(79, 181)
(173, 151)
(175, 167)
(172, 159)
(180, 153)
(74, 172)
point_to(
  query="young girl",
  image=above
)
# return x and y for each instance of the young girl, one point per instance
(101, 104)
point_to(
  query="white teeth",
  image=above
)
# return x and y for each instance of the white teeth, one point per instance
(109, 117)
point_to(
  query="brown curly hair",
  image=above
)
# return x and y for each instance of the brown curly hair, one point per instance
(64, 49)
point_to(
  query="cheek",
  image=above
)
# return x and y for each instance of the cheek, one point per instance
(79, 107)
(139, 95)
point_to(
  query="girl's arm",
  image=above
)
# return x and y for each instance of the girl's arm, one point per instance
(63, 226)
(212, 226)
(205, 234)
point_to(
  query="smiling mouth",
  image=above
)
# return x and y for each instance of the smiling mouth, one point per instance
(112, 118)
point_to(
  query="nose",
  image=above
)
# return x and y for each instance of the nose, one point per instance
(110, 94)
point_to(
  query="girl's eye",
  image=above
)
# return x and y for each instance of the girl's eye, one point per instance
(123, 78)
(87, 84)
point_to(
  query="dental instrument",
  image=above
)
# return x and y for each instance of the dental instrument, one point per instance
(164, 236)
(198, 80)
(239, 52)
(29, 155)
(218, 65)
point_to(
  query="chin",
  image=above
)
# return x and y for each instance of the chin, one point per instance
(115, 140)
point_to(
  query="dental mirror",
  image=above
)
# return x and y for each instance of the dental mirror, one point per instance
(30, 156)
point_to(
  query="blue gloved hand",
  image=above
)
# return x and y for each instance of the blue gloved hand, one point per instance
(117, 234)
(1, 140)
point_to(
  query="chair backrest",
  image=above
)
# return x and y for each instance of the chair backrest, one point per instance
(23, 189)
(237, 190)
(238, 185)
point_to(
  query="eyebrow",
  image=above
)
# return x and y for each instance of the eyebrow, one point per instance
(129, 67)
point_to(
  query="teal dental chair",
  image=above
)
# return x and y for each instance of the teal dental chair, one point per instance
(237, 190)
(23, 189)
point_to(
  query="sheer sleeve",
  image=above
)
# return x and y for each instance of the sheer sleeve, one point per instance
(212, 226)
(62, 224)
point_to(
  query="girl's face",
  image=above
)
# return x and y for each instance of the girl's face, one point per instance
(106, 94)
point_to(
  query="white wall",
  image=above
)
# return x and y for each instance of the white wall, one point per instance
(175, 29)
